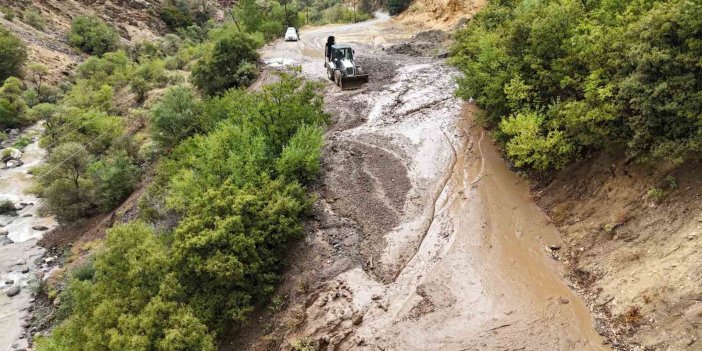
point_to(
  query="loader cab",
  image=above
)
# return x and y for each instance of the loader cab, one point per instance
(342, 52)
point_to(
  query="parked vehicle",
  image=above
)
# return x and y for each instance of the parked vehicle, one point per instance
(291, 34)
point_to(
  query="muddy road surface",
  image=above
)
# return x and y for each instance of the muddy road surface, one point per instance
(423, 239)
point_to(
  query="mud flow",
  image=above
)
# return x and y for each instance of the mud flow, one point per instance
(424, 239)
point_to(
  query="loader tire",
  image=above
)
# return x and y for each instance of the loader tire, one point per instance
(330, 74)
(337, 78)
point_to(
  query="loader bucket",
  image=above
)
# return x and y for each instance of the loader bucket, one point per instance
(355, 82)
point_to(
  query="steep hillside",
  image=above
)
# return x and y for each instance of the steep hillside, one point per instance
(439, 14)
(136, 20)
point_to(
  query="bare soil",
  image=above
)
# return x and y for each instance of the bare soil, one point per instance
(636, 257)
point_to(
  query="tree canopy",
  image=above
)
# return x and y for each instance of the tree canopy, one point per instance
(561, 78)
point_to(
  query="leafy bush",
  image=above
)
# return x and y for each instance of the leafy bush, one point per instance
(13, 109)
(92, 35)
(583, 77)
(184, 13)
(130, 298)
(341, 14)
(7, 207)
(175, 117)
(64, 183)
(30, 97)
(114, 177)
(176, 291)
(33, 18)
(228, 65)
(8, 13)
(213, 242)
(175, 17)
(13, 53)
(299, 160)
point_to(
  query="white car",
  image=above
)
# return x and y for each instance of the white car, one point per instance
(291, 34)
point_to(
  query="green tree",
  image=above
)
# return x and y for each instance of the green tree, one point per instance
(114, 177)
(229, 247)
(92, 35)
(13, 54)
(299, 159)
(63, 182)
(175, 117)
(13, 109)
(230, 64)
(586, 76)
(126, 305)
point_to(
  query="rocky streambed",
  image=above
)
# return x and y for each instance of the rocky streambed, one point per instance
(22, 262)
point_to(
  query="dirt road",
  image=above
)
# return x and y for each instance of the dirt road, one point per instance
(424, 239)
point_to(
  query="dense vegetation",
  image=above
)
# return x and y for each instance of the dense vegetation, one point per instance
(92, 35)
(237, 186)
(13, 54)
(230, 170)
(561, 78)
(229, 191)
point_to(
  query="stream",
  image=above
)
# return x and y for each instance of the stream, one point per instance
(20, 257)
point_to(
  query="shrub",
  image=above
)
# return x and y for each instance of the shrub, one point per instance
(271, 29)
(7, 208)
(13, 109)
(30, 97)
(300, 157)
(215, 241)
(130, 299)
(8, 13)
(33, 18)
(92, 35)
(85, 95)
(43, 112)
(114, 177)
(68, 192)
(85, 271)
(228, 65)
(598, 75)
(176, 17)
(175, 117)
(12, 55)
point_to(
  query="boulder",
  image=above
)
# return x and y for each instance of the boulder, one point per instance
(14, 132)
(25, 270)
(4, 232)
(11, 153)
(13, 291)
(40, 227)
(13, 164)
(4, 240)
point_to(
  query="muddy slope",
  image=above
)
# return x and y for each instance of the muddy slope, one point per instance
(422, 239)
(638, 257)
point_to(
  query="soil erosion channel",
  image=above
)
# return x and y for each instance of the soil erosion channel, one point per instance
(449, 248)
